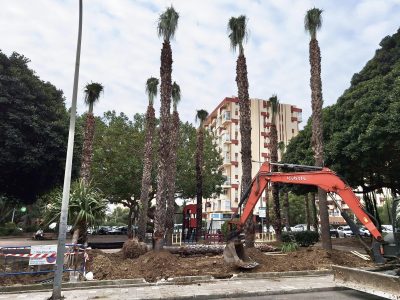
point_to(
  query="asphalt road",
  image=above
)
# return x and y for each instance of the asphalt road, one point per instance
(334, 295)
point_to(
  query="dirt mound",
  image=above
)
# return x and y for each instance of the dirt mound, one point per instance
(101, 266)
(305, 259)
(133, 248)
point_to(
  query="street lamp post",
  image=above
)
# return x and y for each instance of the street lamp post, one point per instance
(67, 175)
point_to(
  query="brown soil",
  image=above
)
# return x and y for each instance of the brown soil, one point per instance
(154, 266)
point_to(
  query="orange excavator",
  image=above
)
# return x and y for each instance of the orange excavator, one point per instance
(325, 179)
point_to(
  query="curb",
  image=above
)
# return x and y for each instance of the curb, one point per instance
(247, 295)
(138, 282)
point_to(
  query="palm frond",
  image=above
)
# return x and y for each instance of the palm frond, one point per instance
(237, 32)
(274, 106)
(176, 95)
(313, 21)
(168, 23)
(201, 115)
(92, 92)
(152, 89)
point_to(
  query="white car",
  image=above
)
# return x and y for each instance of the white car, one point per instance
(364, 231)
(299, 227)
(344, 231)
(387, 228)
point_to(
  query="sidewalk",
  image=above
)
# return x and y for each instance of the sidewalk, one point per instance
(207, 290)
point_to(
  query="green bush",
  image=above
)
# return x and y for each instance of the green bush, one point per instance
(289, 247)
(303, 238)
(10, 229)
(225, 228)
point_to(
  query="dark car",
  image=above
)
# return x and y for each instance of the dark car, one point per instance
(333, 231)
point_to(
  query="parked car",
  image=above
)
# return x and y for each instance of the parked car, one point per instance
(299, 227)
(345, 231)
(387, 228)
(364, 231)
(115, 230)
(333, 231)
(103, 230)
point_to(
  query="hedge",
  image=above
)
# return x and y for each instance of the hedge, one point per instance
(303, 238)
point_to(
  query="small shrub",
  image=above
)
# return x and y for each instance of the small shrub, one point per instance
(307, 238)
(10, 229)
(302, 238)
(289, 247)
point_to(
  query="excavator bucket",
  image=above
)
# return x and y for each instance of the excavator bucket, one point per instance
(234, 253)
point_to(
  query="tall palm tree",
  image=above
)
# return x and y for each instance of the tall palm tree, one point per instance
(201, 116)
(92, 94)
(312, 23)
(274, 158)
(237, 32)
(167, 24)
(176, 98)
(151, 90)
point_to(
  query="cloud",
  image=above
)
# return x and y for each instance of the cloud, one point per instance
(121, 48)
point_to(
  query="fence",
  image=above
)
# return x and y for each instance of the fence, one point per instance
(24, 260)
(265, 237)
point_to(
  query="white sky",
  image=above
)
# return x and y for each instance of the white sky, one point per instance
(121, 48)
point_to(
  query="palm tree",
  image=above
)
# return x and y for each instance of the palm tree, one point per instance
(307, 208)
(87, 207)
(92, 95)
(312, 23)
(274, 158)
(167, 24)
(237, 32)
(176, 98)
(151, 90)
(201, 116)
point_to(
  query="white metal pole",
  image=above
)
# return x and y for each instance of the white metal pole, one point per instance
(67, 175)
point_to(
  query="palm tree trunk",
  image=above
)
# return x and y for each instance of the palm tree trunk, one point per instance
(317, 137)
(275, 186)
(315, 213)
(267, 217)
(286, 206)
(199, 181)
(130, 222)
(147, 168)
(307, 208)
(245, 132)
(162, 181)
(171, 177)
(87, 152)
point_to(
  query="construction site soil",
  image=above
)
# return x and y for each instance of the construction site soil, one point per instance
(153, 266)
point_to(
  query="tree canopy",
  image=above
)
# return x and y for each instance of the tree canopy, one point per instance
(33, 131)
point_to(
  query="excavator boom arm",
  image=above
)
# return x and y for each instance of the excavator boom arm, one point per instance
(325, 179)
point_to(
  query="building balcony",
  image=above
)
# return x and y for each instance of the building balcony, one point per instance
(226, 117)
(227, 161)
(226, 183)
(226, 138)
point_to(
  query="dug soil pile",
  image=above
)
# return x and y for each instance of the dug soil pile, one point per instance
(154, 266)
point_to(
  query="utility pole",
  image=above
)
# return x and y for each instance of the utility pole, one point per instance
(67, 175)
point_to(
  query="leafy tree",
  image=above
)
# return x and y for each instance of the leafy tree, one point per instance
(118, 217)
(167, 24)
(312, 23)
(92, 95)
(117, 166)
(237, 32)
(175, 122)
(33, 132)
(87, 207)
(151, 89)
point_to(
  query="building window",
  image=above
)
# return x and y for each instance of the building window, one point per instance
(293, 130)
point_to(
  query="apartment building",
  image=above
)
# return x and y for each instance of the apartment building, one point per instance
(223, 122)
